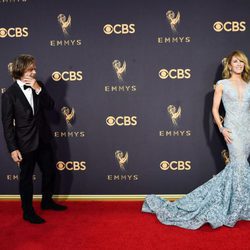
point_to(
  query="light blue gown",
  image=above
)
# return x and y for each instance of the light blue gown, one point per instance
(224, 199)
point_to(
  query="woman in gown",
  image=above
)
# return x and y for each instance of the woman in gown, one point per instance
(224, 199)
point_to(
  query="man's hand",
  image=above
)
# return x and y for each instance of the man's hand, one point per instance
(32, 82)
(16, 157)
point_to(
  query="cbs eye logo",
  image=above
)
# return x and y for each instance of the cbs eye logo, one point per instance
(175, 165)
(71, 165)
(175, 73)
(14, 32)
(67, 76)
(121, 121)
(228, 26)
(108, 29)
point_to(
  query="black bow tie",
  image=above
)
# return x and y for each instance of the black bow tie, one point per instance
(26, 87)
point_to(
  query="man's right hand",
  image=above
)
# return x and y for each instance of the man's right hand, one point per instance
(16, 157)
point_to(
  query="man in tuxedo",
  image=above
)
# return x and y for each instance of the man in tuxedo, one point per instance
(27, 134)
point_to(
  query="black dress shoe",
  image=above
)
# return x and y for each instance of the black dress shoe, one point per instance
(51, 205)
(33, 218)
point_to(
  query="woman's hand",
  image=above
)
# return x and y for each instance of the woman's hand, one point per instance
(227, 135)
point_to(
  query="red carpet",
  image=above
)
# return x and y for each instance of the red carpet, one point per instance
(109, 225)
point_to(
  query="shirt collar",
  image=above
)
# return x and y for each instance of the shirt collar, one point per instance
(20, 83)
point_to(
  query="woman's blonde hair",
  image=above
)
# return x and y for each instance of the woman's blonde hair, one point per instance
(242, 57)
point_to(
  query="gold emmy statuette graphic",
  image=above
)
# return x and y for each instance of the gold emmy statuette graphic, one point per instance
(174, 114)
(223, 61)
(64, 23)
(121, 158)
(173, 19)
(68, 115)
(225, 156)
(119, 69)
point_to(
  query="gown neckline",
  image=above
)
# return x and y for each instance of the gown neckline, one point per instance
(240, 98)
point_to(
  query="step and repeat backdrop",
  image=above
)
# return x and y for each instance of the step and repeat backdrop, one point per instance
(133, 85)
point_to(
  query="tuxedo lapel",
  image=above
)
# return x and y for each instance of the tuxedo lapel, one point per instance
(35, 101)
(22, 97)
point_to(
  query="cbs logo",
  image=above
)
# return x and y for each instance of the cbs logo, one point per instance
(119, 29)
(228, 26)
(14, 32)
(175, 73)
(67, 76)
(175, 165)
(121, 121)
(71, 165)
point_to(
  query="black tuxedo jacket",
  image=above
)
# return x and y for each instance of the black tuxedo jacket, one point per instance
(22, 128)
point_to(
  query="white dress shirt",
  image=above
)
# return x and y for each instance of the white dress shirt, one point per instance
(28, 93)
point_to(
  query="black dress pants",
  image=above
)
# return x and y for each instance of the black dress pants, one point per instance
(43, 156)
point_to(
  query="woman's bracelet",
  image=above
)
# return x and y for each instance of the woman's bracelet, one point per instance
(221, 129)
